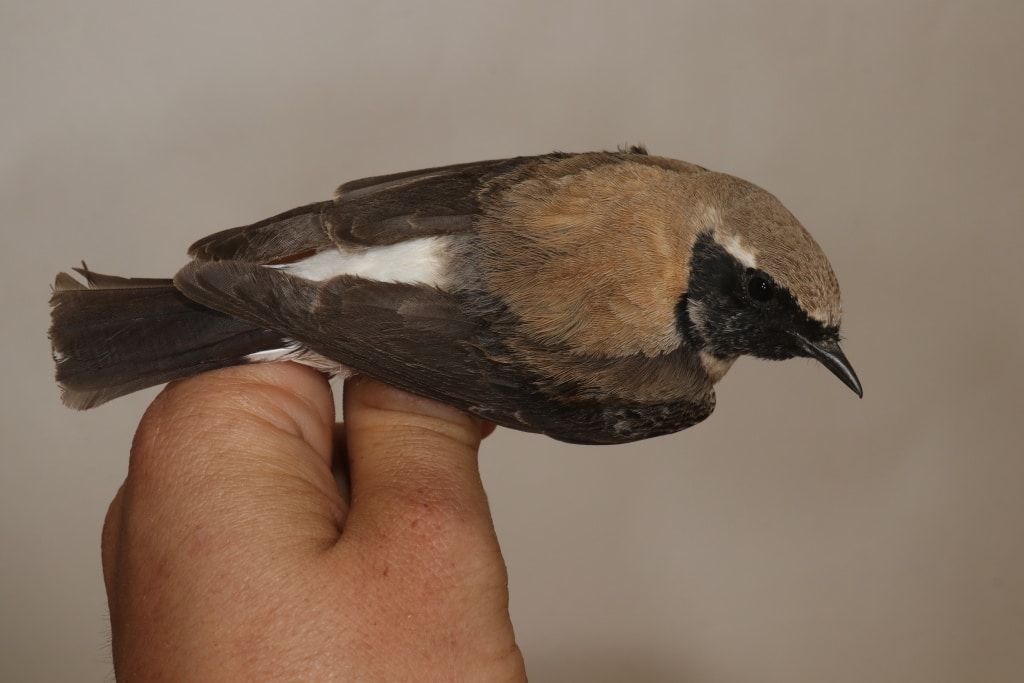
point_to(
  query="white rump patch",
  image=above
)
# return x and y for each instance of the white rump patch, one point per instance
(415, 261)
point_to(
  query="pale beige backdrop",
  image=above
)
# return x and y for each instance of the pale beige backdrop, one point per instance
(798, 535)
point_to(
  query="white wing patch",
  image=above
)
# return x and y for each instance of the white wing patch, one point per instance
(416, 261)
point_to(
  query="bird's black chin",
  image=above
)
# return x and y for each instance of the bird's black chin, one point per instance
(827, 352)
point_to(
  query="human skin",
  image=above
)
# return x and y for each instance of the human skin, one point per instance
(231, 553)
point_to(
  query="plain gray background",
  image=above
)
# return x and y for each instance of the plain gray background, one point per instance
(799, 534)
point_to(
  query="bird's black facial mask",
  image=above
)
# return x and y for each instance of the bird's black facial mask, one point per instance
(731, 310)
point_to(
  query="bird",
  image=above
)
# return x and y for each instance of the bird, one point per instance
(594, 297)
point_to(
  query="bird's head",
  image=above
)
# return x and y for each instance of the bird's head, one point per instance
(760, 285)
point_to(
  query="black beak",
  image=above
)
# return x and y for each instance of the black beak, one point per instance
(832, 357)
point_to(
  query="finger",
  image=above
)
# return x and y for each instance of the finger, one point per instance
(420, 523)
(242, 454)
(110, 542)
(413, 462)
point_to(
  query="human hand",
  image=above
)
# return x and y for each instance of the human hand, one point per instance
(230, 554)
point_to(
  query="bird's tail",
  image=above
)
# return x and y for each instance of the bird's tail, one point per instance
(115, 335)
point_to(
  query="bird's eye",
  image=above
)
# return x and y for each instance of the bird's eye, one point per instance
(760, 289)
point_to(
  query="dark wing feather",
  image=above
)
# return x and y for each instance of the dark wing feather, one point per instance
(416, 338)
(289, 234)
(393, 208)
(364, 213)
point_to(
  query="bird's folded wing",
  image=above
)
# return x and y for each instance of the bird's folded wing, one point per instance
(364, 213)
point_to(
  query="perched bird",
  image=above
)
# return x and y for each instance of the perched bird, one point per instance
(595, 298)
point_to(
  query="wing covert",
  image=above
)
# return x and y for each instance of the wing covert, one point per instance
(364, 213)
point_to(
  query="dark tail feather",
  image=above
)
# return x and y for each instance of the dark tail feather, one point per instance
(117, 335)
